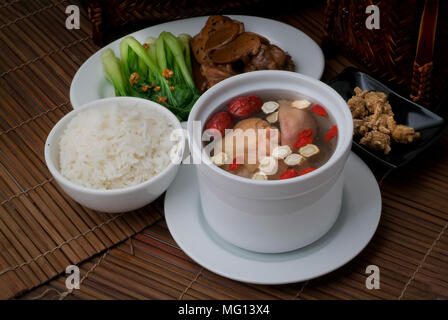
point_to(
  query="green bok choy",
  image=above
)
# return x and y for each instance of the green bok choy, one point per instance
(159, 70)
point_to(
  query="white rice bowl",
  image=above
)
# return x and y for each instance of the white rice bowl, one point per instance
(114, 147)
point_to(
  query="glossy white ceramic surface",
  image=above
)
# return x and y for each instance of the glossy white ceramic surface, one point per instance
(282, 215)
(116, 200)
(355, 226)
(90, 84)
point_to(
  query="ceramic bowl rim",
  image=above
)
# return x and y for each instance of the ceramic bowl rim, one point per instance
(62, 123)
(344, 141)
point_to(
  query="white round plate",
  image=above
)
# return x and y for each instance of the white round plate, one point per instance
(359, 218)
(90, 84)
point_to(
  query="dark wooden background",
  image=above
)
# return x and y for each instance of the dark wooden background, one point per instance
(133, 256)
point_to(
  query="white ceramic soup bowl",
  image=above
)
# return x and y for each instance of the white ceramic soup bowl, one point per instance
(114, 200)
(272, 216)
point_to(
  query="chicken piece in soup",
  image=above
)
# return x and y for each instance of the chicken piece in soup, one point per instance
(272, 139)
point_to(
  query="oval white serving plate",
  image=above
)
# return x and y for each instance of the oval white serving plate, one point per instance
(90, 84)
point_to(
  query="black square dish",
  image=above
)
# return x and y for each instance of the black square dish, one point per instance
(429, 124)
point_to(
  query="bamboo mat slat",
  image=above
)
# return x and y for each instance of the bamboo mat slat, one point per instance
(398, 248)
(42, 231)
(36, 67)
(155, 258)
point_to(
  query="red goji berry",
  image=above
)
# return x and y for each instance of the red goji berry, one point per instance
(290, 173)
(331, 133)
(305, 133)
(305, 171)
(303, 142)
(318, 109)
(234, 165)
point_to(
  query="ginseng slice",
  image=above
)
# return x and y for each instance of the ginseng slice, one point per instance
(220, 159)
(281, 152)
(260, 176)
(294, 159)
(309, 150)
(300, 104)
(269, 107)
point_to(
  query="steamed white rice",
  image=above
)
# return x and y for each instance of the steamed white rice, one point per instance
(115, 146)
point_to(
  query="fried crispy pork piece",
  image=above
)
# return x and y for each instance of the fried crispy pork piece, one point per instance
(404, 134)
(359, 92)
(373, 120)
(357, 106)
(377, 141)
(374, 100)
(359, 127)
(380, 122)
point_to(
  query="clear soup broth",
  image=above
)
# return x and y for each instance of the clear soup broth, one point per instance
(268, 136)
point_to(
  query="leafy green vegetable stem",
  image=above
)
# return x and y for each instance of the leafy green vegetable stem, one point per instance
(114, 73)
(175, 47)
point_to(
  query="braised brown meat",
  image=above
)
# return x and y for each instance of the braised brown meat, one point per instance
(199, 79)
(222, 37)
(214, 73)
(262, 61)
(223, 49)
(217, 28)
(269, 57)
(246, 44)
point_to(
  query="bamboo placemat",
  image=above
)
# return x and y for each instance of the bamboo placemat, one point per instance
(42, 230)
(410, 246)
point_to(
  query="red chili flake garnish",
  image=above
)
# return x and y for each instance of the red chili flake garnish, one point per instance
(161, 99)
(290, 173)
(303, 142)
(305, 171)
(305, 133)
(318, 109)
(234, 165)
(166, 73)
(331, 133)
